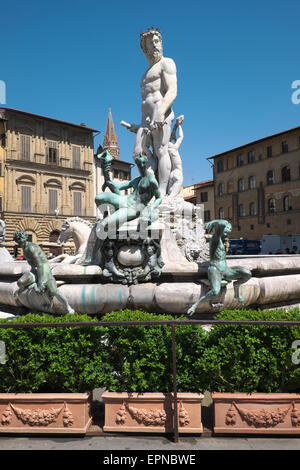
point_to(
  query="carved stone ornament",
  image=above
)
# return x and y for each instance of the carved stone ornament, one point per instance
(37, 417)
(261, 418)
(144, 263)
(153, 417)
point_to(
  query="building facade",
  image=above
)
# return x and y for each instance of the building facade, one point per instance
(47, 175)
(120, 169)
(201, 193)
(257, 186)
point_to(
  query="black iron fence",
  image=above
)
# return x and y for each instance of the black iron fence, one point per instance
(171, 323)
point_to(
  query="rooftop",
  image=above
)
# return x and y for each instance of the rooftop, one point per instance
(254, 142)
(81, 126)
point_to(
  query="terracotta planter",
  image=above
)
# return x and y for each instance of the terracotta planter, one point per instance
(152, 412)
(256, 413)
(45, 413)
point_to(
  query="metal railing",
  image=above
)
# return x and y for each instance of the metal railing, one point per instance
(171, 323)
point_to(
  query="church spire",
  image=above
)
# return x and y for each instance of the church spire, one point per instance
(110, 141)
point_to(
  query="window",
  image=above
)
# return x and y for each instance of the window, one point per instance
(52, 200)
(269, 151)
(52, 153)
(289, 221)
(240, 160)
(221, 189)
(284, 147)
(241, 185)
(206, 216)
(25, 147)
(77, 203)
(287, 203)
(252, 182)
(220, 166)
(270, 177)
(221, 213)
(25, 198)
(285, 174)
(241, 210)
(116, 174)
(76, 157)
(252, 208)
(271, 206)
(251, 156)
(204, 197)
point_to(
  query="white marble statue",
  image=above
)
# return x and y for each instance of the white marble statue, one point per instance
(78, 229)
(176, 176)
(159, 91)
(4, 254)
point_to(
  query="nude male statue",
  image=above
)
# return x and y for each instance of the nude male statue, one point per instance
(218, 270)
(159, 91)
(39, 277)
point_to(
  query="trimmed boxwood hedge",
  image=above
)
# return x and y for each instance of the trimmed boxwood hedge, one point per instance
(139, 358)
(56, 359)
(252, 358)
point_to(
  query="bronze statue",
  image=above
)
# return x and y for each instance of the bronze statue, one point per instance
(218, 270)
(39, 277)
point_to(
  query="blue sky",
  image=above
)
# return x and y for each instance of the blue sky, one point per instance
(235, 60)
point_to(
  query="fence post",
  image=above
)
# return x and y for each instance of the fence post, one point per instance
(174, 383)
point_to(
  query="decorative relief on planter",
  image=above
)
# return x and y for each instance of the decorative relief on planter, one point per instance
(156, 417)
(37, 417)
(6, 417)
(261, 418)
(295, 416)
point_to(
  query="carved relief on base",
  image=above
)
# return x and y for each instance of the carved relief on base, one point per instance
(257, 413)
(46, 413)
(152, 412)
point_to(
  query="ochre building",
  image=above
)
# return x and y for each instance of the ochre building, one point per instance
(257, 186)
(47, 175)
(201, 193)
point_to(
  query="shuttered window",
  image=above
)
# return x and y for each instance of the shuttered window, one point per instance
(76, 157)
(52, 153)
(26, 198)
(25, 147)
(52, 200)
(77, 201)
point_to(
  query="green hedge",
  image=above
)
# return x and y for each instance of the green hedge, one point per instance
(139, 358)
(252, 358)
(56, 359)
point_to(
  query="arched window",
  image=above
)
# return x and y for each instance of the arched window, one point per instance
(252, 208)
(271, 206)
(221, 189)
(241, 185)
(220, 166)
(252, 182)
(287, 203)
(270, 177)
(285, 174)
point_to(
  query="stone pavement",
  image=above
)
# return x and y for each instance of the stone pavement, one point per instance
(125, 443)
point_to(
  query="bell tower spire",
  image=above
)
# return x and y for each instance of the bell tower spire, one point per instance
(110, 140)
